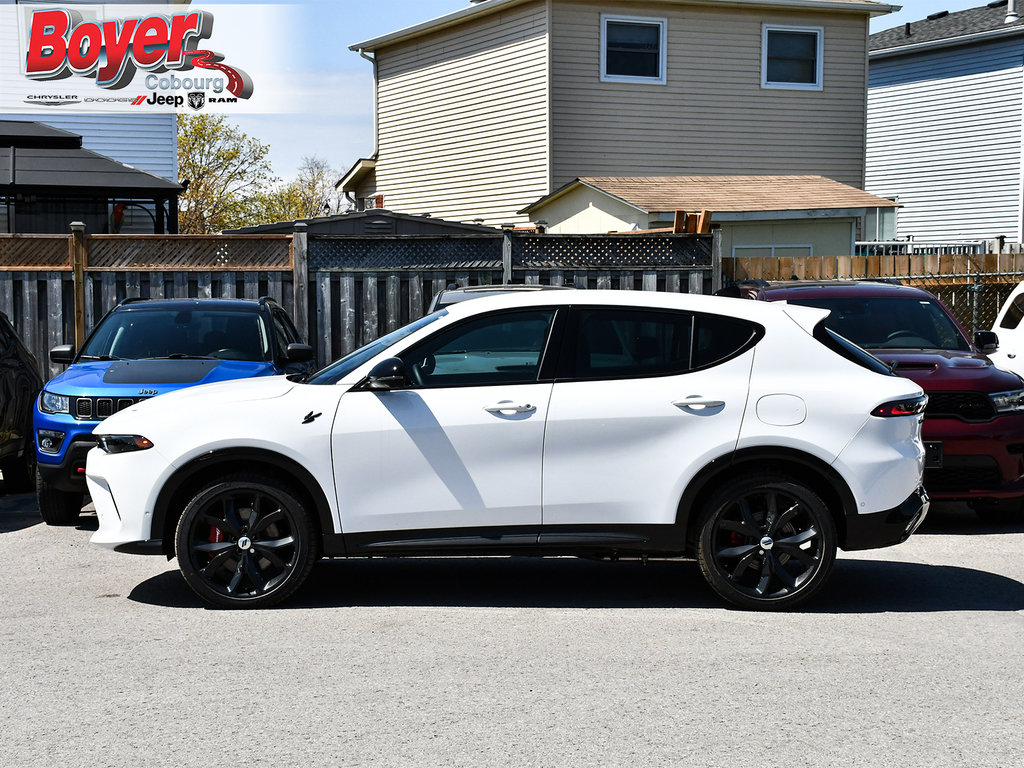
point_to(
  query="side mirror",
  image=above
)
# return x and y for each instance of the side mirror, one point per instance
(986, 341)
(62, 354)
(299, 353)
(388, 374)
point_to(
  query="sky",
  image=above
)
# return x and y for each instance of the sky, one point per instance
(337, 84)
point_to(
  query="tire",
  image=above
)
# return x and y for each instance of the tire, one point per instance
(57, 507)
(280, 551)
(767, 542)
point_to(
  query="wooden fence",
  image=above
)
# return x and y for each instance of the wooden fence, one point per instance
(342, 291)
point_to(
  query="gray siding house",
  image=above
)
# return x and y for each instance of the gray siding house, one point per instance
(944, 125)
(484, 111)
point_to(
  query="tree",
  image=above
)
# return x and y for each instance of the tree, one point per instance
(228, 174)
(310, 194)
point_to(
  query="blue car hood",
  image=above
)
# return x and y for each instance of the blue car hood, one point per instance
(126, 378)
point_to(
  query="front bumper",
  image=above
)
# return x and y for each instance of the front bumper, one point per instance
(888, 527)
(67, 473)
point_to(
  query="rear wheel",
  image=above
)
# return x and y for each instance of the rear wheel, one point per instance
(245, 542)
(767, 543)
(57, 507)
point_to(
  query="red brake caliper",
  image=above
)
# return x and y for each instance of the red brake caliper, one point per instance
(216, 536)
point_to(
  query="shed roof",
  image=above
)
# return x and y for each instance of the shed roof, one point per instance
(39, 157)
(376, 221)
(721, 194)
(946, 27)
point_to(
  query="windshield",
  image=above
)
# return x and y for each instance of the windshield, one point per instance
(341, 368)
(179, 333)
(890, 323)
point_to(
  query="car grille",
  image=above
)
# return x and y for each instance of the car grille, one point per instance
(967, 406)
(98, 408)
(964, 473)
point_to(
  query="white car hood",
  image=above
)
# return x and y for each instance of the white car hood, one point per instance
(202, 398)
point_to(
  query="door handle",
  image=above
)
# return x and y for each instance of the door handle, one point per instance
(698, 403)
(509, 406)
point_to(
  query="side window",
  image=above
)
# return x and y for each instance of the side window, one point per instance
(497, 349)
(618, 343)
(283, 329)
(1014, 313)
(718, 338)
(633, 49)
(791, 57)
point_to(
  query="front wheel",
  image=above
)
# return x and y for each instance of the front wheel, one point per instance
(244, 542)
(55, 506)
(766, 543)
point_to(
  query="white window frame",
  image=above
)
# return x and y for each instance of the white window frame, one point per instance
(771, 250)
(818, 83)
(661, 23)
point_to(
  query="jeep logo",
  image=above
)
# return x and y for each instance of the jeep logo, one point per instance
(148, 392)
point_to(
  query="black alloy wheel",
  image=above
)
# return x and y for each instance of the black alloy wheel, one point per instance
(766, 543)
(244, 542)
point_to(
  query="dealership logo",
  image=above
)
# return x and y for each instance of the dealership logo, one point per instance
(52, 100)
(62, 45)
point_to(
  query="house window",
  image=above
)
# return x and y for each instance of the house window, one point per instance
(791, 57)
(633, 49)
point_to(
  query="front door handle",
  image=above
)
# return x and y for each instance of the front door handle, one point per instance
(507, 406)
(698, 403)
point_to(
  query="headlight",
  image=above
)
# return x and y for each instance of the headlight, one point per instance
(51, 403)
(1008, 402)
(123, 443)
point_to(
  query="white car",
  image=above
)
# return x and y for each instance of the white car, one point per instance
(1007, 349)
(598, 423)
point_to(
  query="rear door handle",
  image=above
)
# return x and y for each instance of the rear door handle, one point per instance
(510, 407)
(698, 403)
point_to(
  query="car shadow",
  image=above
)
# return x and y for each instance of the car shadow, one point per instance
(856, 586)
(18, 511)
(958, 519)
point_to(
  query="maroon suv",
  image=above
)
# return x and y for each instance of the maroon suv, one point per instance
(974, 424)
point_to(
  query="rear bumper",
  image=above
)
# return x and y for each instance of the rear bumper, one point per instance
(888, 527)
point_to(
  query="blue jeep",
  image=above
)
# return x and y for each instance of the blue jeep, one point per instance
(143, 348)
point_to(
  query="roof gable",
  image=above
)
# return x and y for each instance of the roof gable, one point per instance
(722, 194)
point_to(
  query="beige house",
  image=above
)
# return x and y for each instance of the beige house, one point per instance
(783, 216)
(486, 109)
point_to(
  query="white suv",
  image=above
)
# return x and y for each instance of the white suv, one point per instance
(604, 423)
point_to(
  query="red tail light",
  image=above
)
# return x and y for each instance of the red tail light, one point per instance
(909, 407)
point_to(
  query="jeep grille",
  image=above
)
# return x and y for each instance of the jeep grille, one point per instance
(98, 408)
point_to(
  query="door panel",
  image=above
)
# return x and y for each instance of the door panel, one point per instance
(621, 451)
(440, 458)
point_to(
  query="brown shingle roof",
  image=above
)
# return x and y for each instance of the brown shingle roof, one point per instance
(734, 193)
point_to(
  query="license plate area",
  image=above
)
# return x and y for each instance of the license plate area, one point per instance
(933, 455)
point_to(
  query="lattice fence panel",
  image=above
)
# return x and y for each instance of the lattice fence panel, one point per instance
(30, 252)
(189, 252)
(359, 252)
(611, 251)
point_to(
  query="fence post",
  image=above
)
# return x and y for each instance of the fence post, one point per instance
(78, 256)
(975, 305)
(506, 254)
(716, 260)
(300, 289)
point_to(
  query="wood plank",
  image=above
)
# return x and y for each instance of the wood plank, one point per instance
(347, 314)
(393, 303)
(323, 318)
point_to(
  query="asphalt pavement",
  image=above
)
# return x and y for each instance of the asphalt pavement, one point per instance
(911, 656)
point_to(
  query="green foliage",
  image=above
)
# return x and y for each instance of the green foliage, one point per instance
(232, 184)
(226, 170)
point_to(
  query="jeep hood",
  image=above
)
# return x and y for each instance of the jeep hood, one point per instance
(127, 377)
(945, 370)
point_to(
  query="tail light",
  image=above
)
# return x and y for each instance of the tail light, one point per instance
(907, 407)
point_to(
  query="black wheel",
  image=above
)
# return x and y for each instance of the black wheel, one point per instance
(57, 507)
(767, 542)
(244, 542)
